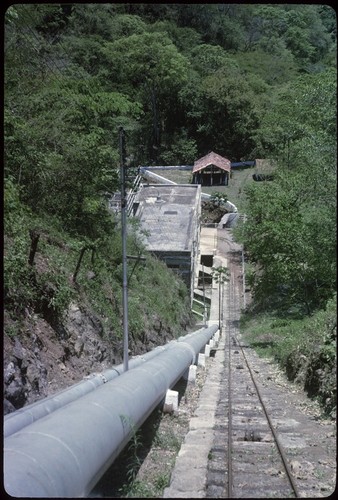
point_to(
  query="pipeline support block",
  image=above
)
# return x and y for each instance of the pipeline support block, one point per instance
(170, 402)
(190, 374)
(201, 360)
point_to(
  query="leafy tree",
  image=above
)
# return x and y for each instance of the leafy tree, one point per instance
(296, 112)
(274, 64)
(127, 25)
(299, 28)
(290, 233)
(306, 35)
(220, 274)
(60, 169)
(283, 235)
(229, 113)
(92, 19)
(185, 39)
(182, 79)
(181, 151)
(60, 135)
(151, 64)
(207, 59)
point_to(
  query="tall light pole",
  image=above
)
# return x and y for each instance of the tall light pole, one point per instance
(221, 275)
(124, 249)
(243, 279)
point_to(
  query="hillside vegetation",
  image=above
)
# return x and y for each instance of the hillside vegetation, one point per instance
(246, 81)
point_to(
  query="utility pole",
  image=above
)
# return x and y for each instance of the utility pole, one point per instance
(221, 275)
(124, 247)
(243, 279)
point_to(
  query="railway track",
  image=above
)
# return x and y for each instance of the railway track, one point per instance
(247, 458)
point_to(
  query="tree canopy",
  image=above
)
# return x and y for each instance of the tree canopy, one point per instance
(247, 80)
(291, 226)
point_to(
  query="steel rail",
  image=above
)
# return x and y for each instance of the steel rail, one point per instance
(277, 441)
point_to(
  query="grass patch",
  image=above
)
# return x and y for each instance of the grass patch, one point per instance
(67, 268)
(305, 349)
(167, 440)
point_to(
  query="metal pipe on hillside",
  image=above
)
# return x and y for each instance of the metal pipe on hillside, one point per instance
(65, 453)
(156, 178)
(15, 421)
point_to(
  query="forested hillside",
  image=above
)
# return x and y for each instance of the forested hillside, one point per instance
(244, 80)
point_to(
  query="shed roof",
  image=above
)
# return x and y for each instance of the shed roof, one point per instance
(212, 159)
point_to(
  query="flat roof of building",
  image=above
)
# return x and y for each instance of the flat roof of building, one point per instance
(168, 214)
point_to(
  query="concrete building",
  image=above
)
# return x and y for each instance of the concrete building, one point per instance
(170, 216)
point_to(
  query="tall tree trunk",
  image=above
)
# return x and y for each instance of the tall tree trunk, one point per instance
(79, 263)
(34, 245)
(156, 128)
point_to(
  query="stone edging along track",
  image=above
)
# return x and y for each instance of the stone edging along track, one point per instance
(309, 442)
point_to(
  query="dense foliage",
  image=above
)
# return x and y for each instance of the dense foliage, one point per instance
(305, 348)
(247, 81)
(290, 231)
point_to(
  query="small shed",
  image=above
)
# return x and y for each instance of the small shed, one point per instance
(211, 170)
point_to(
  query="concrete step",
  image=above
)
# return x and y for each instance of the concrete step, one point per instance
(205, 269)
(198, 294)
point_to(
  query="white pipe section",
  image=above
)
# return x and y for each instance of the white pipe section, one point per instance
(230, 207)
(65, 453)
(156, 178)
(15, 421)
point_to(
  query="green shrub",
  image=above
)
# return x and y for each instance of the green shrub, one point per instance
(304, 348)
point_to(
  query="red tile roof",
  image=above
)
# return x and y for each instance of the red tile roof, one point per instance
(212, 159)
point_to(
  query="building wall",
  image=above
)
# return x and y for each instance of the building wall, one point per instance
(171, 216)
